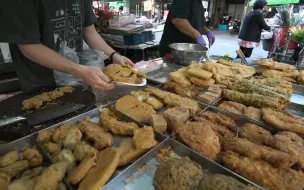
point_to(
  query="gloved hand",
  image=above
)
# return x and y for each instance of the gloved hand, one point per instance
(211, 38)
(201, 41)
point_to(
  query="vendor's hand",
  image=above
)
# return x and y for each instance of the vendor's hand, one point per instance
(96, 78)
(119, 59)
(201, 41)
(211, 38)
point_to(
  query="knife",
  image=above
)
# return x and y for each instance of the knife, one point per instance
(41, 116)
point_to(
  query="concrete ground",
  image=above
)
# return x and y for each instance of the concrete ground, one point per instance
(228, 44)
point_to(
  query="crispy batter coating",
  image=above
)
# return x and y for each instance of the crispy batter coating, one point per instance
(61, 132)
(51, 148)
(65, 155)
(4, 180)
(128, 153)
(255, 134)
(176, 88)
(73, 137)
(9, 158)
(82, 149)
(33, 156)
(45, 136)
(143, 138)
(220, 119)
(16, 168)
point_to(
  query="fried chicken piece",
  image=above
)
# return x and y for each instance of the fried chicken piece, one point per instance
(82, 149)
(143, 138)
(271, 64)
(255, 134)
(51, 148)
(128, 153)
(4, 180)
(9, 158)
(51, 176)
(33, 156)
(202, 83)
(140, 95)
(65, 155)
(284, 120)
(73, 137)
(176, 88)
(110, 122)
(249, 149)
(97, 177)
(45, 136)
(135, 109)
(32, 173)
(263, 173)
(95, 133)
(155, 103)
(16, 168)
(253, 113)
(79, 173)
(220, 119)
(200, 138)
(61, 132)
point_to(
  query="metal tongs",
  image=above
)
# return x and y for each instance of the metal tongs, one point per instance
(242, 56)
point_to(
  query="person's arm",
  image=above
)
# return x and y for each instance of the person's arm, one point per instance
(263, 24)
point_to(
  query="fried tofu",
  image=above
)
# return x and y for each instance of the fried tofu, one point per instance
(175, 116)
(159, 123)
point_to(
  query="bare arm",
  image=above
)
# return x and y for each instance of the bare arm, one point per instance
(185, 27)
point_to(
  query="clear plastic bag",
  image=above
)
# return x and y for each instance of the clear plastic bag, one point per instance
(88, 57)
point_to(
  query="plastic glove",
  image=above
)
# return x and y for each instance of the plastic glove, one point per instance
(201, 41)
(211, 38)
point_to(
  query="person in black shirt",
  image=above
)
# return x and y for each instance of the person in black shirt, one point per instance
(254, 23)
(36, 28)
(185, 24)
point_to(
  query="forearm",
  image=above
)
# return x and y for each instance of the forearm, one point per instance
(185, 27)
(46, 57)
(94, 40)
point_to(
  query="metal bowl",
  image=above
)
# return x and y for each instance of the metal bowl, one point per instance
(185, 53)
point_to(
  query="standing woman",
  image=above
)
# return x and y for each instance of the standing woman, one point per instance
(254, 23)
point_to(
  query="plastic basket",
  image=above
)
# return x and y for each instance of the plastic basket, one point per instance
(223, 27)
(135, 39)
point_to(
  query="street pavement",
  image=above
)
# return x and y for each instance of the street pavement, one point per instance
(228, 44)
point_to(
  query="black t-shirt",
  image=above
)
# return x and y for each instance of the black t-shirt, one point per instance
(51, 22)
(193, 11)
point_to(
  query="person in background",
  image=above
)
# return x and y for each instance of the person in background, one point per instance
(208, 21)
(254, 23)
(185, 24)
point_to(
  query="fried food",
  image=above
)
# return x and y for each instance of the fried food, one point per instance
(4, 180)
(16, 168)
(180, 77)
(124, 73)
(253, 113)
(23, 184)
(67, 89)
(300, 78)
(176, 115)
(97, 177)
(140, 95)
(176, 88)
(135, 109)
(200, 73)
(65, 155)
(207, 98)
(158, 93)
(201, 82)
(110, 122)
(284, 120)
(263, 173)
(155, 103)
(177, 173)
(51, 148)
(246, 148)
(61, 132)
(219, 181)
(72, 137)
(255, 134)
(95, 133)
(82, 149)
(292, 137)
(33, 156)
(9, 158)
(279, 84)
(143, 138)
(159, 123)
(178, 101)
(200, 138)
(80, 172)
(45, 136)
(233, 107)
(51, 176)
(32, 173)
(128, 153)
(61, 186)
(220, 119)
(271, 64)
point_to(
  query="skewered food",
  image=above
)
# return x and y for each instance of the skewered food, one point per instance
(33, 156)
(157, 92)
(32, 172)
(128, 153)
(176, 88)
(82, 149)
(255, 134)
(106, 164)
(16, 168)
(73, 137)
(159, 123)
(143, 138)
(177, 173)
(124, 73)
(9, 158)
(110, 122)
(45, 136)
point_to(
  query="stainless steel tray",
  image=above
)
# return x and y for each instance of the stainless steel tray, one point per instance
(161, 73)
(298, 95)
(132, 179)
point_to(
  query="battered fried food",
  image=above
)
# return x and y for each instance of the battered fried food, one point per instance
(177, 173)
(246, 148)
(45, 136)
(9, 158)
(128, 153)
(300, 78)
(200, 138)
(143, 138)
(284, 120)
(51, 148)
(4, 180)
(292, 137)
(180, 77)
(201, 82)
(51, 176)
(95, 133)
(155, 103)
(124, 73)
(33, 156)
(233, 107)
(135, 109)
(110, 122)
(65, 155)
(140, 95)
(219, 181)
(73, 137)
(82, 149)
(200, 73)
(178, 101)
(176, 88)
(80, 172)
(207, 98)
(263, 173)
(61, 186)
(253, 113)
(23, 184)
(16, 168)
(61, 132)
(161, 94)
(97, 177)
(32, 173)
(67, 89)
(255, 134)
(271, 64)
(220, 119)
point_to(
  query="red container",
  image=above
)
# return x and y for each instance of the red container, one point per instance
(283, 38)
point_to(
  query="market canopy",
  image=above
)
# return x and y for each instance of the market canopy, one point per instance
(277, 2)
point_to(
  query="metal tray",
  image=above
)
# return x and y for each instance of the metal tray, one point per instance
(298, 95)
(161, 73)
(132, 179)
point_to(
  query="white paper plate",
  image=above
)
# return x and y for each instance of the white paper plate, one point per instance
(129, 84)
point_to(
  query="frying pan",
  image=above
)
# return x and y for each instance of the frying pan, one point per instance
(13, 107)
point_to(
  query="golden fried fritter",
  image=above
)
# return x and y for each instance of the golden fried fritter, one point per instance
(253, 113)
(65, 155)
(33, 156)
(32, 172)
(128, 153)
(51, 148)
(220, 119)
(255, 134)
(155, 103)
(45, 136)
(140, 95)
(82, 149)
(4, 180)
(61, 132)
(9, 158)
(73, 137)
(143, 138)
(123, 73)
(176, 88)
(16, 168)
